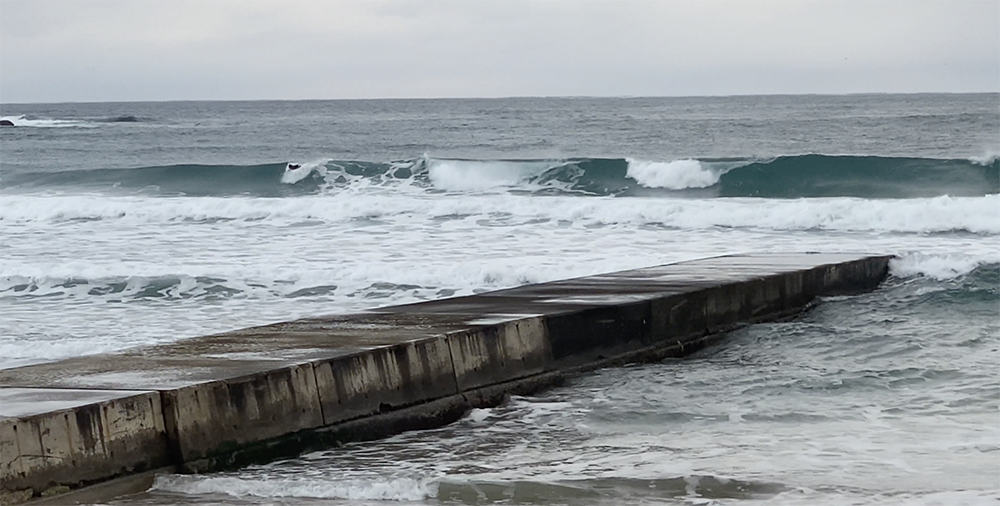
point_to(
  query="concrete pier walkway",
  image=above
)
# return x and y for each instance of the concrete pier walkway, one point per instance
(257, 394)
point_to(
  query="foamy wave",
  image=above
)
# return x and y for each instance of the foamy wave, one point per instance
(358, 283)
(928, 215)
(934, 215)
(940, 267)
(675, 175)
(466, 175)
(390, 489)
(794, 176)
(23, 121)
(986, 159)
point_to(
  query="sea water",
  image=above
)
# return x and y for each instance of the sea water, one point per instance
(129, 224)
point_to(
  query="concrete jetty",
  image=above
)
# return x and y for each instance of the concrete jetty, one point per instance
(257, 394)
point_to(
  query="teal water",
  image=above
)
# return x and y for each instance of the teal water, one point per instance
(182, 217)
(790, 176)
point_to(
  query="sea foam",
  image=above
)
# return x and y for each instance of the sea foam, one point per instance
(989, 157)
(24, 121)
(675, 175)
(926, 215)
(388, 489)
(464, 175)
(940, 266)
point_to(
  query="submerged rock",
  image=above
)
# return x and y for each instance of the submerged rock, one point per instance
(128, 118)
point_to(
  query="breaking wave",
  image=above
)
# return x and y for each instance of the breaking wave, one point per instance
(792, 176)
(40, 122)
(33, 122)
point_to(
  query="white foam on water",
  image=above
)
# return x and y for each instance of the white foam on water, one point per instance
(940, 266)
(228, 263)
(478, 415)
(388, 489)
(466, 175)
(673, 175)
(928, 215)
(23, 121)
(988, 157)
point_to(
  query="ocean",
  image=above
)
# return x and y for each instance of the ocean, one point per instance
(130, 224)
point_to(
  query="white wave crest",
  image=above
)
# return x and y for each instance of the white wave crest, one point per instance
(390, 489)
(468, 175)
(674, 175)
(940, 267)
(23, 121)
(986, 159)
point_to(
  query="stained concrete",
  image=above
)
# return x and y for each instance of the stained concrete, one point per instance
(260, 393)
(49, 435)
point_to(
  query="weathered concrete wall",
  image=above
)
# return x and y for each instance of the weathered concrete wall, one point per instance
(261, 393)
(384, 379)
(210, 418)
(499, 353)
(61, 438)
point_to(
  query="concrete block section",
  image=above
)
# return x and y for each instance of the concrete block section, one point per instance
(599, 332)
(385, 379)
(64, 438)
(500, 352)
(210, 420)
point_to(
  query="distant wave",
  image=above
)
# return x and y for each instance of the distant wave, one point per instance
(26, 121)
(862, 176)
(193, 180)
(39, 122)
(791, 176)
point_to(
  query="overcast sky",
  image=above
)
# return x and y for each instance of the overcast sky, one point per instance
(124, 50)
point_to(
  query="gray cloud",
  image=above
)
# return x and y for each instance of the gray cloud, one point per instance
(53, 50)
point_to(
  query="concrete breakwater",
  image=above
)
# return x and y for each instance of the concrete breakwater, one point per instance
(261, 393)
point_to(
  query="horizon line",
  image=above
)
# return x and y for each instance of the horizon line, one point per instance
(509, 97)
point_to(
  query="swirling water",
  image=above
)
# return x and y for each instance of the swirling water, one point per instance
(181, 220)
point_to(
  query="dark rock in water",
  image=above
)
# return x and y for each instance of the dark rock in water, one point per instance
(6, 122)
(123, 119)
